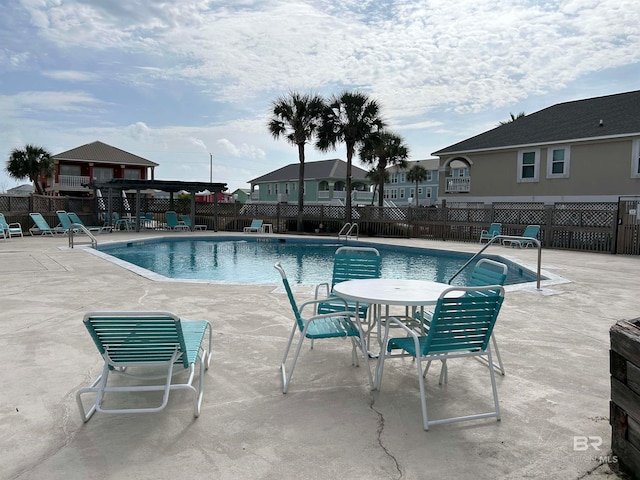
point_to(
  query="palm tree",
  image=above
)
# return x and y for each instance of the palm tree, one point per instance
(417, 174)
(350, 117)
(296, 117)
(384, 150)
(513, 118)
(376, 176)
(30, 162)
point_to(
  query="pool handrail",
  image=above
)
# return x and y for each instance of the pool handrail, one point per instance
(500, 238)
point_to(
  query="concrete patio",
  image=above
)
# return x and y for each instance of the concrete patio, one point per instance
(554, 343)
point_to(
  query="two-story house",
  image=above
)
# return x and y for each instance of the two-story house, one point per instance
(98, 162)
(579, 151)
(324, 183)
(402, 192)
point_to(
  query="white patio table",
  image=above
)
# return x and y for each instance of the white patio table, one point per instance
(379, 292)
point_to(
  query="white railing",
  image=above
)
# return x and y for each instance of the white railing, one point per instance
(457, 184)
(72, 181)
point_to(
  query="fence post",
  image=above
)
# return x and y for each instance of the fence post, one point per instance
(547, 239)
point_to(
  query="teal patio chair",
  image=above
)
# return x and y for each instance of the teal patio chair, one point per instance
(494, 231)
(485, 272)
(349, 263)
(255, 227)
(461, 326)
(119, 222)
(529, 233)
(140, 344)
(41, 226)
(65, 221)
(93, 229)
(186, 219)
(173, 223)
(338, 324)
(9, 229)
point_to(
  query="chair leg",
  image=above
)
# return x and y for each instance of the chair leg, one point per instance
(423, 400)
(492, 374)
(499, 366)
(286, 378)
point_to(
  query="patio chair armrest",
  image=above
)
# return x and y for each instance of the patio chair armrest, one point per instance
(322, 300)
(15, 225)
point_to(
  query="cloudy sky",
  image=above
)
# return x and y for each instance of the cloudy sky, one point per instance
(177, 80)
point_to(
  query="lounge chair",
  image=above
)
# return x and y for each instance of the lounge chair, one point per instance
(529, 233)
(173, 223)
(461, 326)
(494, 230)
(43, 227)
(255, 227)
(9, 229)
(186, 219)
(76, 219)
(331, 325)
(133, 343)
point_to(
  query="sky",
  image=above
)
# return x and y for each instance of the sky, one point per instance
(190, 84)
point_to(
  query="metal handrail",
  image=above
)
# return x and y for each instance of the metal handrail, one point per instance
(72, 231)
(506, 237)
(347, 230)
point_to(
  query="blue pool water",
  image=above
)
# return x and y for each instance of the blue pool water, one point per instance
(242, 260)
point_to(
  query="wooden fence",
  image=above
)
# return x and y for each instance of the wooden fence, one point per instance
(594, 227)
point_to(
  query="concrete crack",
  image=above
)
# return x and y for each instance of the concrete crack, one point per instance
(379, 432)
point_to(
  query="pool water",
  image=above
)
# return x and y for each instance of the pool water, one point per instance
(234, 260)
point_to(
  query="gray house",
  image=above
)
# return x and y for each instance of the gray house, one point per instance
(324, 183)
(580, 151)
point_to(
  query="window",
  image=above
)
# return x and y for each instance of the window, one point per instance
(402, 178)
(269, 189)
(394, 178)
(132, 174)
(429, 176)
(412, 192)
(428, 192)
(419, 191)
(635, 159)
(70, 170)
(394, 193)
(528, 165)
(558, 162)
(102, 174)
(401, 192)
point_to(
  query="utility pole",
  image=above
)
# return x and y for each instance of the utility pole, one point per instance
(210, 168)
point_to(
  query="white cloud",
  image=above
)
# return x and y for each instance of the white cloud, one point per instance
(70, 75)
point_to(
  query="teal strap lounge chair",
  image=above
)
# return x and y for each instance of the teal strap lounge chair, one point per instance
(65, 222)
(529, 233)
(41, 226)
(173, 223)
(494, 231)
(461, 326)
(349, 263)
(9, 229)
(332, 325)
(255, 227)
(186, 219)
(93, 229)
(138, 345)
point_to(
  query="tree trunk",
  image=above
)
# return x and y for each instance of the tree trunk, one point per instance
(300, 227)
(350, 149)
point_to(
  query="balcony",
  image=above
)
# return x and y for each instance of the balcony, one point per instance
(70, 182)
(457, 184)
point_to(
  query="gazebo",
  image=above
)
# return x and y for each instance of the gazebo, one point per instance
(170, 186)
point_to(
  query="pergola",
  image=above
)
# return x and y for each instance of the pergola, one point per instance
(170, 186)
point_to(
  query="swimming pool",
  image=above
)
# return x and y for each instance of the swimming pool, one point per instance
(250, 261)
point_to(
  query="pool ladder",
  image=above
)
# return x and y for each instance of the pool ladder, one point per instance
(348, 230)
(500, 238)
(77, 226)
